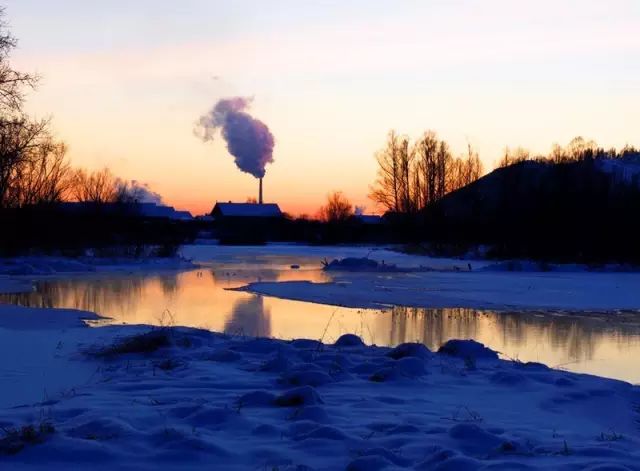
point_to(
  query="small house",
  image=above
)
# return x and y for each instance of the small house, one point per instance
(246, 223)
(246, 211)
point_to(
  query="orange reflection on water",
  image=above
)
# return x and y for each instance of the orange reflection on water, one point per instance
(603, 344)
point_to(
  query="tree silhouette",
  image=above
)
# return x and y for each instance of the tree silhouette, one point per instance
(410, 177)
(33, 168)
(338, 208)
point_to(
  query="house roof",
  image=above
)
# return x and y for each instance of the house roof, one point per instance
(154, 210)
(149, 210)
(267, 210)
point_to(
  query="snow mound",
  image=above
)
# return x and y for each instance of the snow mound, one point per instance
(358, 264)
(316, 406)
(302, 396)
(256, 399)
(409, 350)
(407, 367)
(349, 340)
(469, 349)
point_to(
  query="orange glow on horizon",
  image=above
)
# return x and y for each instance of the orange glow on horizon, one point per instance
(125, 91)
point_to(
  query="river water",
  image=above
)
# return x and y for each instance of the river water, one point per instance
(606, 344)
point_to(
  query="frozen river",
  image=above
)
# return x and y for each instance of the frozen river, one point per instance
(605, 344)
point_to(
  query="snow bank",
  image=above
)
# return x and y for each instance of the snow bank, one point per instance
(35, 345)
(210, 400)
(307, 256)
(12, 285)
(532, 266)
(478, 290)
(45, 265)
(368, 265)
(357, 264)
(24, 318)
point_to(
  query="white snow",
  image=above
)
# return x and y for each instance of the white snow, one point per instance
(487, 285)
(309, 256)
(481, 290)
(222, 402)
(12, 285)
(38, 266)
(215, 401)
(34, 347)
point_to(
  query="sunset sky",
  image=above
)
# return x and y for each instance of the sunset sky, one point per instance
(125, 81)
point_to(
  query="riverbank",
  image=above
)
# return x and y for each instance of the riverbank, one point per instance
(478, 290)
(139, 397)
(41, 266)
(176, 398)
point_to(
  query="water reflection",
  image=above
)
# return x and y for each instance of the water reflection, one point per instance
(603, 344)
(558, 338)
(249, 317)
(118, 295)
(169, 284)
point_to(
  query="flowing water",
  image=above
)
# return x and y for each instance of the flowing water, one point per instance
(606, 344)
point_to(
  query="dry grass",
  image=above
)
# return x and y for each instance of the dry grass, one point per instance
(16, 439)
(145, 343)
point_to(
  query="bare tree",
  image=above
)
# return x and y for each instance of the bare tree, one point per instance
(338, 208)
(558, 154)
(580, 149)
(386, 189)
(463, 170)
(426, 150)
(25, 147)
(405, 158)
(519, 154)
(443, 164)
(99, 186)
(470, 169)
(33, 167)
(43, 177)
(12, 82)
(412, 177)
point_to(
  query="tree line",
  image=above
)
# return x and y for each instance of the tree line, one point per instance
(414, 175)
(34, 168)
(577, 150)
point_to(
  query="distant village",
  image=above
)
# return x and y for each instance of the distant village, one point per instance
(221, 211)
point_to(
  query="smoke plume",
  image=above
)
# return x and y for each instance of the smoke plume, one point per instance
(134, 191)
(248, 139)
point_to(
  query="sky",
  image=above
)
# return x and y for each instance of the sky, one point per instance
(126, 81)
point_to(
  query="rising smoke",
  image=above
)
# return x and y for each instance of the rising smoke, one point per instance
(248, 139)
(134, 191)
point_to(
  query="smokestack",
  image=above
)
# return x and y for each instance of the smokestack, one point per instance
(260, 193)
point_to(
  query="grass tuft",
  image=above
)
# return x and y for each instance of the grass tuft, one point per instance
(142, 343)
(16, 439)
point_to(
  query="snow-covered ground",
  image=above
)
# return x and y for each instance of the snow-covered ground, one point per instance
(451, 283)
(10, 284)
(196, 399)
(284, 255)
(37, 266)
(481, 290)
(207, 400)
(34, 348)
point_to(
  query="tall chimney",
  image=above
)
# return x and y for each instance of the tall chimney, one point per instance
(260, 193)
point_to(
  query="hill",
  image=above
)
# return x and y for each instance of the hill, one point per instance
(580, 211)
